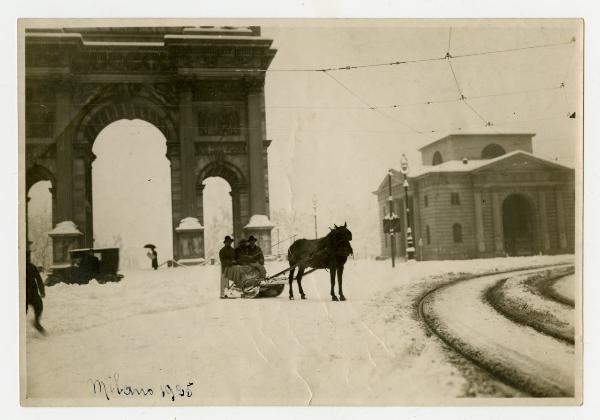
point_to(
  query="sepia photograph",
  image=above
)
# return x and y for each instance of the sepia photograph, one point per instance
(300, 212)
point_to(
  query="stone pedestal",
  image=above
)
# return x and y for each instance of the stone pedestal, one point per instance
(260, 227)
(65, 237)
(190, 240)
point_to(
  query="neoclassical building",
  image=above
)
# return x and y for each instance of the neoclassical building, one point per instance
(202, 87)
(482, 195)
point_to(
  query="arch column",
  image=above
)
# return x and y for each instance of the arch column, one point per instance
(497, 223)
(240, 205)
(544, 236)
(259, 224)
(189, 234)
(560, 216)
(65, 235)
(479, 232)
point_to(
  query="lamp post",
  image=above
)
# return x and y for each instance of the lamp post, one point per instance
(391, 218)
(314, 201)
(410, 248)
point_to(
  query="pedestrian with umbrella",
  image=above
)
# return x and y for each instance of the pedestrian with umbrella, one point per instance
(152, 254)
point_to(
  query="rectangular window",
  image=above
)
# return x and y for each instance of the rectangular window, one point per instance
(428, 235)
(425, 200)
(454, 199)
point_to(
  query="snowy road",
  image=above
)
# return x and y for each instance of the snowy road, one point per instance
(169, 327)
(564, 289)
(534, 361)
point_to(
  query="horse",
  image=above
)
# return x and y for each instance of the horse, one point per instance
(329, 252)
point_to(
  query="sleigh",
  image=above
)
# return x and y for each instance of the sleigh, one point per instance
(248, 281)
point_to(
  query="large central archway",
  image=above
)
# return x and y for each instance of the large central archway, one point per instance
(131, 184)
(518, 225)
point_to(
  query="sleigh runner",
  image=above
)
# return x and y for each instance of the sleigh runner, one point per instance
(250, 281)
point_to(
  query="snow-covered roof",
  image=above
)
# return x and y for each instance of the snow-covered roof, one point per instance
(471, 165)
(457, 166)
(259, 221)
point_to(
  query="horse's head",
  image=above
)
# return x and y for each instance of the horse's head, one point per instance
(341, 233)
(340, 237)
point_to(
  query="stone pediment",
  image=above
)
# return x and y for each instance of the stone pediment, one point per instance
(520, 162)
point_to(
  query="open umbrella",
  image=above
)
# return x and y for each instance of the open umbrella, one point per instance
(150, 246)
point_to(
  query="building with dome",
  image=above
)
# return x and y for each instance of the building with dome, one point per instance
(479, 196)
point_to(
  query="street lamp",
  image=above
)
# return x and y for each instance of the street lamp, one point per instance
(390, 222)
(410, 248)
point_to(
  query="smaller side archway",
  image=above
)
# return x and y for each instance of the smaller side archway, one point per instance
(40, 213)
(240, 197)
(437, 158)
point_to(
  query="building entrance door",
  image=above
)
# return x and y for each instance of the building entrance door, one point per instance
(517, 220)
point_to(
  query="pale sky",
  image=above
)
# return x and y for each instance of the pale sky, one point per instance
(327, 144)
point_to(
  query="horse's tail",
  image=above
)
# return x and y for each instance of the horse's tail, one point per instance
(290, 254)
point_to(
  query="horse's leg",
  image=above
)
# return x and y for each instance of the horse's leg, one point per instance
(332, 278)
(291, 278)
(299, 280)
(340, 271)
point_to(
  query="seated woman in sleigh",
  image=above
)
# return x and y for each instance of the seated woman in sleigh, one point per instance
(247, 270)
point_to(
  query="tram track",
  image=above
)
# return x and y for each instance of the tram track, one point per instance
(508, 366)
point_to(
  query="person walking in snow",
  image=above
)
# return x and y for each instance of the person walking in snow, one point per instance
(34, 292)
(153, 255)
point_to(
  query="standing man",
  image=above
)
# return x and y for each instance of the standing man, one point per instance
(227, 258)
(34, 292)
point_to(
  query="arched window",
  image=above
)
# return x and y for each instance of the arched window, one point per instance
(492, 151)
(428, 235)
(437, 158)
(457, 233)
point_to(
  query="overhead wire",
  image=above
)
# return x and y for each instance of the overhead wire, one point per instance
(374, 108)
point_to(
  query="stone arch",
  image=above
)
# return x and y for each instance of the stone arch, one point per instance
(110, 110)
(225, 170)
(437, 158)
(38, 173)
(492, 151)
(34, 175)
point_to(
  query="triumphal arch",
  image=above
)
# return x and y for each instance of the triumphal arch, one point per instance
(202, 87)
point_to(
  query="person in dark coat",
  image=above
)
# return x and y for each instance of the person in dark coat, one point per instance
(34, 292)
(227, 258)
(153, 255)
(241, 252)
(227, 253)
(255, 256)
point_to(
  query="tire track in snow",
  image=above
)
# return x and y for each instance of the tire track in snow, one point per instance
(459, 315)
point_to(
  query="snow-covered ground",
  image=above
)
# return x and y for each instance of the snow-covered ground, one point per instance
(565, 288)
(520, 354)
(167, 327)
(524, 300)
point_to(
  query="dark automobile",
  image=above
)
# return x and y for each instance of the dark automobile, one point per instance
(86, 264)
